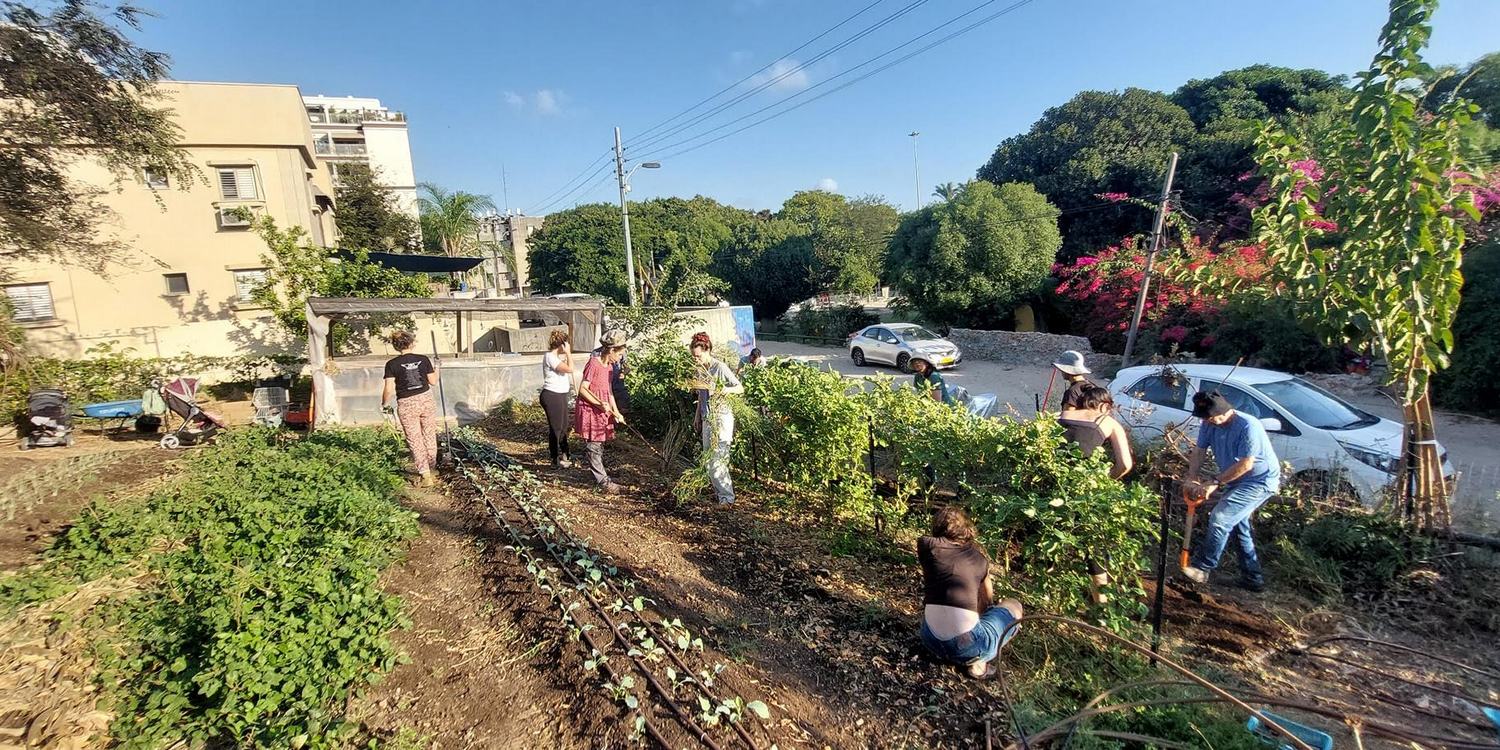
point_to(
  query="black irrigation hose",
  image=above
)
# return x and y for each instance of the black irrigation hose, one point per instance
(649, 728)
(619, 638)
(1407, 649)
(1145, 651)
(651, 628)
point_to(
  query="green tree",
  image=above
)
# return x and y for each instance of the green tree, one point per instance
(1364, 230)
(849, 237)
(1479, 82)
(296, 269)
(768, 264)
(946, 191)
(970, 261)
(73, 89)
(450, 219)
(368, 216)
(580, 250)
(1097, 142)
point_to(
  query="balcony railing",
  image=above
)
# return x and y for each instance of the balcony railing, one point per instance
(324, 148)
(358, 117)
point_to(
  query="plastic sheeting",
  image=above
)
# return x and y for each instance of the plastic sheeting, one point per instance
(470, 388)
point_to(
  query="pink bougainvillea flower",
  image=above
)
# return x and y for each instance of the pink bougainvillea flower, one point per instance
(1309, 169)
(1175, 334)
(1322, 225)
(1085, 261)
(1112, 197)
(1208, 342)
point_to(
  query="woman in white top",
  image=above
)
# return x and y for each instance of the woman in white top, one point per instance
(557, 383)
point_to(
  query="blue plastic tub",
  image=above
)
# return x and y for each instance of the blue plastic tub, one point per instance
(113, 409)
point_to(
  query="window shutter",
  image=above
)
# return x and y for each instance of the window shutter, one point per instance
(31, 301)
(245, 283)
(237, 183)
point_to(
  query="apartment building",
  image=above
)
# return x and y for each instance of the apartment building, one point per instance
(509, 235)
(182, 284)
(358, 130)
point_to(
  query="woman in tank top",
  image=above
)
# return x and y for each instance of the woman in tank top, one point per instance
(961, 624)
(557, 384)
(1086, 420)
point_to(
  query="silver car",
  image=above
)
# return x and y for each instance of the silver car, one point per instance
(900, 343)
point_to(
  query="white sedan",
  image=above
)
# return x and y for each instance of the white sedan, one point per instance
(1325, 439)
(900, 343)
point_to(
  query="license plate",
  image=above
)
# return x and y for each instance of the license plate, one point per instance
(945, 361)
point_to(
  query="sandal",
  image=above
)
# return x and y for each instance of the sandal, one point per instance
(989, 672)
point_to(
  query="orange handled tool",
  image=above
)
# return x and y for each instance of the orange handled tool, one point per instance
(1193, 500)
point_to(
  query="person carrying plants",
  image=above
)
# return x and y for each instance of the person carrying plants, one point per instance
(1086, 420)
(1250, 474)
(409, 378)
(596, 413)
(961, 624)
(714, 419)
(925, 379)
(557, 383)
(1075, 372)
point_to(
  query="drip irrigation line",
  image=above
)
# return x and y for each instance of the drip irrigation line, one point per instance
(1398, 678)
(650, 628)
(1407, 649)
(1292, 738)
(671, 702)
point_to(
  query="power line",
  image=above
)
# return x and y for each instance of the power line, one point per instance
(800, 67)
(544, 202)
(586, 182)
(987, 19)
(763, 69)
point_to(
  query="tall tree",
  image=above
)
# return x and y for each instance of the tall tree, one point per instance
(580, 250)
(74, 88)
(1479, 82)
(849, 237)
(1098, 142)
(1364, 231)
(972, 260)
(450, 219)
(946, 191)
(368, 215)
(769, 265)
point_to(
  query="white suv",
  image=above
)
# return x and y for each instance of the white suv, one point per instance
(1324, 438)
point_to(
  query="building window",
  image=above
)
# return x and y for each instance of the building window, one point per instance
(30, 303)
(177, 283)
(245, 283)
(156, 178)
(237, 183)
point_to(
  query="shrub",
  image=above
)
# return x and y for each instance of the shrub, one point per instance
(1469, 383)
(1266, 334)
(835, 321)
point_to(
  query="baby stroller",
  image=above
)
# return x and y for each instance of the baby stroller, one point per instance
(197, 425)
(49, 421)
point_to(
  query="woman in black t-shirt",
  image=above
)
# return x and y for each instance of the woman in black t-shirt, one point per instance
(409, 378)
(960, 622)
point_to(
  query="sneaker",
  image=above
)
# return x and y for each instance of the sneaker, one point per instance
(1195, 574)
(565, 463)
(1254, 587)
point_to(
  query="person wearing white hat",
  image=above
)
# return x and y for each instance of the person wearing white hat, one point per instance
(1075, 372)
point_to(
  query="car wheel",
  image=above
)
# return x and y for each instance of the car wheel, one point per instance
(858, 355)
(903, 362)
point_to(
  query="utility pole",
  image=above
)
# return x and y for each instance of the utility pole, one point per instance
(1156, 233)
(625, 215)
(916, 172)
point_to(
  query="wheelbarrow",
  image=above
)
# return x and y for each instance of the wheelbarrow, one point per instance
(116, 412)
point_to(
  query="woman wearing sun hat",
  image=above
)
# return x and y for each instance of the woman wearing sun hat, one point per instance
(595, 415)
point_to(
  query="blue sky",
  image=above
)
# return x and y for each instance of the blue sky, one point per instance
(538, 85)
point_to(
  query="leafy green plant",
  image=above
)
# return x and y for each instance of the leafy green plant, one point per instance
(834, 321)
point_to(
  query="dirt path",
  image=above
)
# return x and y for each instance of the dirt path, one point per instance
(481, 671)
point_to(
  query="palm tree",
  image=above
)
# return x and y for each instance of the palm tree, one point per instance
(947, 191)
(451, 218)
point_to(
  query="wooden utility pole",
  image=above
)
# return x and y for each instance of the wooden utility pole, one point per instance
(1156, 234)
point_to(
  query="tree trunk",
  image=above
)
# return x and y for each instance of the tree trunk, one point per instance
(1422, 495)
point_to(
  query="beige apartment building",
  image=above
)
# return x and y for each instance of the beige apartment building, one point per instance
(500, 238)
(182, 285)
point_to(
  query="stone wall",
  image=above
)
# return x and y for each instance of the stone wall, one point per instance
(1018, 348)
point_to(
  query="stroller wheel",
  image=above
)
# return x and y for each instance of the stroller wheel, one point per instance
(171, 442)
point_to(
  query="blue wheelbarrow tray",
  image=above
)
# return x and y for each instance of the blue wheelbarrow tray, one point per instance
(113, 409)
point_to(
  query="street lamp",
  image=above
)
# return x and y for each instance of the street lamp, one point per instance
(624, 178)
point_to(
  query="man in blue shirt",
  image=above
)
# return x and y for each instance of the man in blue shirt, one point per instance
(1249, 475)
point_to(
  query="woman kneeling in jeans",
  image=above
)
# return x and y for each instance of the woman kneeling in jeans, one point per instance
(960, 625)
